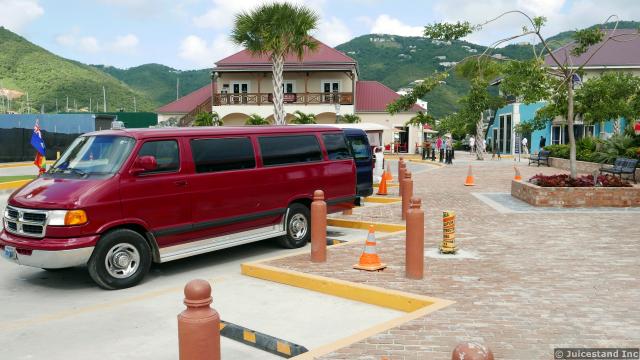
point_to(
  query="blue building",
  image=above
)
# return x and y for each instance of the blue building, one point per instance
(620, 55)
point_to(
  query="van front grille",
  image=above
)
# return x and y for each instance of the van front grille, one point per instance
(26, 222)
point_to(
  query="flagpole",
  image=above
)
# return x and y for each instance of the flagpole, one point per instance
(104, 99)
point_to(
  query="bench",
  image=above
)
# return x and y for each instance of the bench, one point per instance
(543, 156)
(622, 166)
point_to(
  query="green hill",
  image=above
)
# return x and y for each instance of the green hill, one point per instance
(159, 81)
(46, 77)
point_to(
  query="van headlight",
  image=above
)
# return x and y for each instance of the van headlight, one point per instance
(67, 217)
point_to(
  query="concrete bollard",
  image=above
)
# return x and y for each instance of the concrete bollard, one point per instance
(199, 324)
(402, 167)
(414, 253)
(407, 192)
(318, 227)
(471, 351)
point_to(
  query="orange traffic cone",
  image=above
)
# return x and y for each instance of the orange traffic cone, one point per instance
(518, 177)
(469, 181)
(382, 188)
(387, 174)
(369, 260)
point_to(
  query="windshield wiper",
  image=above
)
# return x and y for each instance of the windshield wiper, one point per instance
(76, 171)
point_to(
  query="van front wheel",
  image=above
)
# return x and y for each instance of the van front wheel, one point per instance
(298, 227)
(120, 260)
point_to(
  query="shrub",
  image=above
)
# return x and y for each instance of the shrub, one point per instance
(558, 150)
(614, 147)
(564, 180)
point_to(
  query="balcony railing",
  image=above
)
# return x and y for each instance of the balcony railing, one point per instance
(289, 98)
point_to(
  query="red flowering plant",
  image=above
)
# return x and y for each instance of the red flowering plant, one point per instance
(564, 180)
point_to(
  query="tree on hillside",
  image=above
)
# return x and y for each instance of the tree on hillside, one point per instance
(302, 118)
(276, 30)
(255, 119)
(532, 80)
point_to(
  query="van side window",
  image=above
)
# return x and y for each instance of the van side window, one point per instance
(359, 147)
(222, 154)
(336, 147)
(165, 152)
(278, 150)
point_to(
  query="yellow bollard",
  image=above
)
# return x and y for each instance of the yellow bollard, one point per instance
(448, 245)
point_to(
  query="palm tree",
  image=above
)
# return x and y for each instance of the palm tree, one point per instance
(350, 118)
(276, 30)
(302, 118)
(255, 119)
(208, 119)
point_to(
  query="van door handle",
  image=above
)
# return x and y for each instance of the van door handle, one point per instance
(180, 183)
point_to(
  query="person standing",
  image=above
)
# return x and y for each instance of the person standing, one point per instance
(449, 151)
(426, 149)
(439, 147)
(525, 149)
(472, 144)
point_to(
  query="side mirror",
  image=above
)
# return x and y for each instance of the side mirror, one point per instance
(144, 164)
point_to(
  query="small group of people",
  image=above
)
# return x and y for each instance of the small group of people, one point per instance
(444, 147)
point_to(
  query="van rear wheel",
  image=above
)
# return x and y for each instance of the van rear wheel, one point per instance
(120, 260)
(298, 227)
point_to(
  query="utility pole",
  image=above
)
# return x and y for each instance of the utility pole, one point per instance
(75, 107)
(177, 88)
(56, 106)
(90, 107)
(104, 99)
(135, 108)
(42, 109)
(67, 103)
(28, 106)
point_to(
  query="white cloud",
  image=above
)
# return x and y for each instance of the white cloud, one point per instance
(197, 51)
(222, 13)
(121, 44)
(16, 14)
(385, 24)
(89, 44)
(124, 44)
(333, 31)
(561, 15)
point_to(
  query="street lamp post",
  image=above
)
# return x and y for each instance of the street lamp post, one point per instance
(337, 106)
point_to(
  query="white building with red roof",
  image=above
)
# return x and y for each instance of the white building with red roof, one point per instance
(325, 83)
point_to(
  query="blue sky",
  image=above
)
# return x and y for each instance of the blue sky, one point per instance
(192, 34)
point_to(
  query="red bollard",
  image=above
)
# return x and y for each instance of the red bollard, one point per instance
(402, 167)
(407, 192)
(414, 253)
(471, 351)
(199, 324)
(318, 227)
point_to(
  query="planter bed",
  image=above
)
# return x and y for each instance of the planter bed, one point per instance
(575, 196)
(583, 167)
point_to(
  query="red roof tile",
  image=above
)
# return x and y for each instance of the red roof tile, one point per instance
(323, 54)
(622, 50)
(188, 102)
(372, 96)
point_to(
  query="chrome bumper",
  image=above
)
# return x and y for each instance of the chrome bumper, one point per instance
(57, 259)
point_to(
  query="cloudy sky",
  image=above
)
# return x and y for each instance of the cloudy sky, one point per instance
(191, 34)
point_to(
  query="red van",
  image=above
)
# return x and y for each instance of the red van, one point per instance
(119, 200)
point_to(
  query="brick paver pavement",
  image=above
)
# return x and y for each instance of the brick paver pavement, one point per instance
(538, 280)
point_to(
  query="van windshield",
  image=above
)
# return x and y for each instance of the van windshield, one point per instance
(87, 155)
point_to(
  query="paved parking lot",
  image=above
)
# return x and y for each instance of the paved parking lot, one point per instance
(64, 315)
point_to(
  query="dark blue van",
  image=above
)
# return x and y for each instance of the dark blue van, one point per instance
(359, 145)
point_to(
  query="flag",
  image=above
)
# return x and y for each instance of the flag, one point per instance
(38, 143)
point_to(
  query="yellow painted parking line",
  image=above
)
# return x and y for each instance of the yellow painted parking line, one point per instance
(22, 323)
(13, 184)
(382, 200)
(22, 164)
(364, 225)
(414, 305)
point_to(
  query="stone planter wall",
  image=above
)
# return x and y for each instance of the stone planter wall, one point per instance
(583, 167)
(575, 197)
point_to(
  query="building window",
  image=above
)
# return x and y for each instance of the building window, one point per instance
(330, 90)
(289, 86)
(589, 130)
(556, 135)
